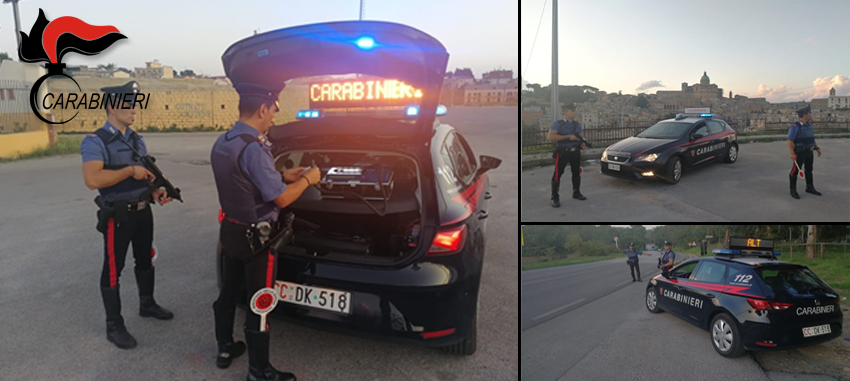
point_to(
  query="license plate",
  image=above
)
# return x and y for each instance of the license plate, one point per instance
(814, 331)
(614, 167)
(316, 297)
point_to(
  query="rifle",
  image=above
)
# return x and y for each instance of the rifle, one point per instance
(160, 181)
(581, 139)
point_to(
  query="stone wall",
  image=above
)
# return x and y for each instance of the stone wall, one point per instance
(184, 110)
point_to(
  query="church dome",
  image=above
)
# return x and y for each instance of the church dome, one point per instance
(704, 80)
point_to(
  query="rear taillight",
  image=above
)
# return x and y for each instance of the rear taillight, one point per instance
(448, 241)
(769, 305)
(220, 216)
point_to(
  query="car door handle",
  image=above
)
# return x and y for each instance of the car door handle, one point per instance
(487, 195)
(709, 296)
(482, 215)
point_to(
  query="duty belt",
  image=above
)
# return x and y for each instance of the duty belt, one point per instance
(137, 206)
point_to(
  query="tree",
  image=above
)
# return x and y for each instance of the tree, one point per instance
(534, 87)
(812, 238)
(110, 66)
(175, 74)
(642, 102)
(5, 56)
(187, 73)
(573, 244)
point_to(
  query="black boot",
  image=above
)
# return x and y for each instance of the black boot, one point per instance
(115, 330)
(576, 185)
(259, 368)
(810, 186)
(227, 349)
(556, 202)
(794, 193)
(147, 305)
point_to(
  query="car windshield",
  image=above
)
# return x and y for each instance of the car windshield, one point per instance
(792, 281)
(665, 130)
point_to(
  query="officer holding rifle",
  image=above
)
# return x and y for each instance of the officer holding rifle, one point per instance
(114, 164)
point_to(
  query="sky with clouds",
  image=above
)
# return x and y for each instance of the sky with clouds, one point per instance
(782, 50)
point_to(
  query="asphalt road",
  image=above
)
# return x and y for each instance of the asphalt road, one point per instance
(612, 336)
(50, 259)
(755, 188)
(567, 288)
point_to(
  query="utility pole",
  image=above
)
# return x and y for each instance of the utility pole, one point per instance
(17, 19)
(361, 10)
(554, 87)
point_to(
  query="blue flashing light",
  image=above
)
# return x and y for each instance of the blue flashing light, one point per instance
(306, 114)
(776, 253)
(441, 110)
(412, 111)
(726, 251)
(706, 115)
(365, 43)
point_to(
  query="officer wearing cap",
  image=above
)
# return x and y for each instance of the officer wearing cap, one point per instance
(111, 167)
(568, 150)
(668, 257)
(250, 191)
(801, 143)
(633, 260)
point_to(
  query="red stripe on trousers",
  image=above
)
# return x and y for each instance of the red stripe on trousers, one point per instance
(557, 156)
(793, 169)
(110, 249)
(270, 269)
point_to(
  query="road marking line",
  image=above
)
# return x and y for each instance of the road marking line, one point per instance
(559, 308)
(628, 281)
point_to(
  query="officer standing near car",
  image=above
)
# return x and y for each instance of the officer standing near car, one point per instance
(250, 191)
(633, 260)
(111, 167)
(801, 143)
(568, 150)
(668, 257)
(703, 247)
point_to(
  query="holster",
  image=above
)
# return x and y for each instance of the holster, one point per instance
(117, 212)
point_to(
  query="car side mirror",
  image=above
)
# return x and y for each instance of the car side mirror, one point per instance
(488, 163)
(697, 136)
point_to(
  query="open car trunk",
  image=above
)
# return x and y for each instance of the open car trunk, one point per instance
(367, 207)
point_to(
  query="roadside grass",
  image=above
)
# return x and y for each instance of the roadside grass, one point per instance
(64, 145)
(834, 268)
(569, 261)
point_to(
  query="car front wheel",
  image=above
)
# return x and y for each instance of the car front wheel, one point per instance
(674, 170)
(725, 336)
(652, 301)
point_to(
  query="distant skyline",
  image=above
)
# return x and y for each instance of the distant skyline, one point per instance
(784, 51)
(478, 34)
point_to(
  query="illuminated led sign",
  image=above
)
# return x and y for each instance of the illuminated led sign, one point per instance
(362, 93)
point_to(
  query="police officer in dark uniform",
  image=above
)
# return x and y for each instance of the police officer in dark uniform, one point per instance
(801, 142)
(250, 191)
(568, 150)
(633, 260)
(111, 167)
(667, 259)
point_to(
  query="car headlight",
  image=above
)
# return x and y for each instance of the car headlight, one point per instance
(650, 157)
(605, 154)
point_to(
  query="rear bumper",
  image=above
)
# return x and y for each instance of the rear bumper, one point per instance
(785, 337)
(390, 304)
